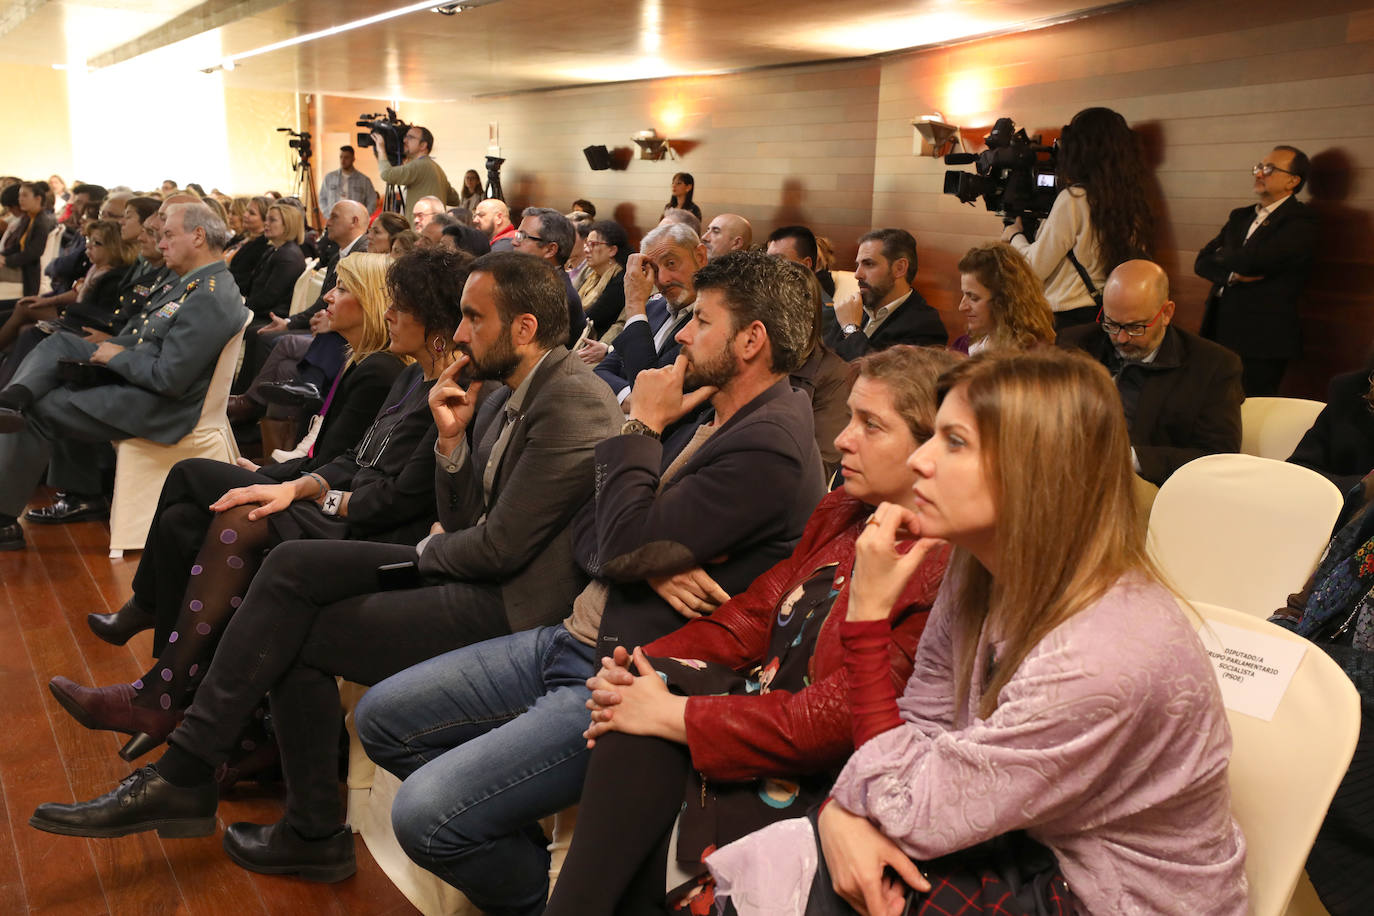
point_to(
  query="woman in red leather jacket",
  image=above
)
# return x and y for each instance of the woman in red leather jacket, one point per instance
(739, 718)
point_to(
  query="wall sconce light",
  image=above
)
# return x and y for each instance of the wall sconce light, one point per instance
(652, 146)
(934, 137)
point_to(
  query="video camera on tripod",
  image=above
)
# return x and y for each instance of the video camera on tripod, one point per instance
(1015, 176)
(392, 130)
(299, 140)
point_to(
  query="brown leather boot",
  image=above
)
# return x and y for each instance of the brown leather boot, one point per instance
(276, 434)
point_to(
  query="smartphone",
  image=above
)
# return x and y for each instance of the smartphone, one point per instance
(393, 577)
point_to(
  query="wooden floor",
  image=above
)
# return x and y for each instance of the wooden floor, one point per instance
(45, 593)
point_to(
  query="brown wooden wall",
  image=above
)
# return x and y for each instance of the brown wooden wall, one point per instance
(1211, 86)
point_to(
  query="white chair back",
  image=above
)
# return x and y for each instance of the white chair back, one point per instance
(141, 465)
(1241, 531)
(1284, 772)
(1273, 427)
(307, 288)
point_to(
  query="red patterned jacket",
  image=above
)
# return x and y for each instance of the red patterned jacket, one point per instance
(743, 737)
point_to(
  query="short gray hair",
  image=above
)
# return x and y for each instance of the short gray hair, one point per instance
(554, 227)
(675, 234)
(199, 216)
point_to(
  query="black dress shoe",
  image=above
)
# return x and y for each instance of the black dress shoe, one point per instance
(119, 627)
(293, 394)
(277, 849)
(13, 420)
(11, 537)
(243, 409)
(143, 801)
(69, 507)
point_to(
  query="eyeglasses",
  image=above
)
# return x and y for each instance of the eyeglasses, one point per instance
(1132, 329)
(522, 236)
(589, 243)
(1268, 168)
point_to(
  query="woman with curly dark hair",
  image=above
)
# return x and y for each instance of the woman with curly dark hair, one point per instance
(1003, 301)
(1100, 218)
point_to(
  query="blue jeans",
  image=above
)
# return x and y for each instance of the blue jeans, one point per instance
(487, 740)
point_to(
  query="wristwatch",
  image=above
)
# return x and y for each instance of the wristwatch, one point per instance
(639, 428)
(333, 502)
(849, 329)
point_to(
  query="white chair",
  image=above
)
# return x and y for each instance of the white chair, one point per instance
(371, 792)
(1273, 427)
(141, 465)
(308, 286)
(1284, 772)
(51, 249)
(1241, 531)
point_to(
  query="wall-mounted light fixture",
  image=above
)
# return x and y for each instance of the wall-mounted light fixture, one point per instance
(934, 137)
(652, 146)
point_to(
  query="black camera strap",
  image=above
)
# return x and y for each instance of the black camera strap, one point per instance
(1087, 279)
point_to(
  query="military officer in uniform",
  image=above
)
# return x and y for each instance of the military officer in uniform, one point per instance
(166, 362)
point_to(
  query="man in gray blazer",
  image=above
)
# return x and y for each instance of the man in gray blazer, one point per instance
(512, 473)
(163, 371)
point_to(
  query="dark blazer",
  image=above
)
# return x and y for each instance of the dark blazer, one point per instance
(737, 507)
(577, 319)
(606, 308)
(523, 542)
(1259, 319)
(1340, 444)
(245, 261)
(1188, 404)
(301, 320)
(388, 471)
(99, 306)
(28, 257)
(914, 322)
(633, 349)
(274, 279)
(361, 394)
(827, 378)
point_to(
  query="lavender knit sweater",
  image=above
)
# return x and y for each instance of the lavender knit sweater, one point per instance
(1109, 745)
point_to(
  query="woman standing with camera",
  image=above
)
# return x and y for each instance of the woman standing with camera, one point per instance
(1100, 218)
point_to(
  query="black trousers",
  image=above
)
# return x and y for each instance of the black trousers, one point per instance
(313, 612)
(1260, 378)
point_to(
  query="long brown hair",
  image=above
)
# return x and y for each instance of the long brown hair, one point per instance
(110, 234)
(1057, 457)
(1100, 152)
(1021, 315)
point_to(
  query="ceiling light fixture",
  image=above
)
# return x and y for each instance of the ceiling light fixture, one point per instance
(447, 9)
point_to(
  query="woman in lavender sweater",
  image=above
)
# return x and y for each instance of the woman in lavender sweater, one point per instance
(1058, 690)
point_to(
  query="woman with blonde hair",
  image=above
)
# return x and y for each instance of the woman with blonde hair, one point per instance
(375, 448)
(244, 255)
(274, 278)
(1002, 300)
(1061, 744)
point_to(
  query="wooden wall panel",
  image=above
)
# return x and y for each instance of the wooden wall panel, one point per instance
(1211, 87)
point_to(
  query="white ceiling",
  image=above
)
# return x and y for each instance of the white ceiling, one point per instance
(510, 45)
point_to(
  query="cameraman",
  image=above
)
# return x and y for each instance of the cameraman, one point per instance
(1099, 219)
(420, 175)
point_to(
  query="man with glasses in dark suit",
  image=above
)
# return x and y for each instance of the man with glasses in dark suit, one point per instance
(1258, 264)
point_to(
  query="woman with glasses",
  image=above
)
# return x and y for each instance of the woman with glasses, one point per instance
(603, 285)
(200, 561)
(1100, 218)
(1061, 745)
(1002, 300)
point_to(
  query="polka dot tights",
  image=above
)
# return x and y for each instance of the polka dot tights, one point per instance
(224, 567)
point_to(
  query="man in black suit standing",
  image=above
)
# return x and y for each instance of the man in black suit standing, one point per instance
(1258, 264)
(887, 310)
(1181, 394)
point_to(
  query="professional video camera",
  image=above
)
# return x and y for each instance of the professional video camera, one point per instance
(1014, 176)
(298, 141)
(392, 129)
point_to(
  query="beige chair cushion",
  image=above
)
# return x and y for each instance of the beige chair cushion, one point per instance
(1273, 427)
